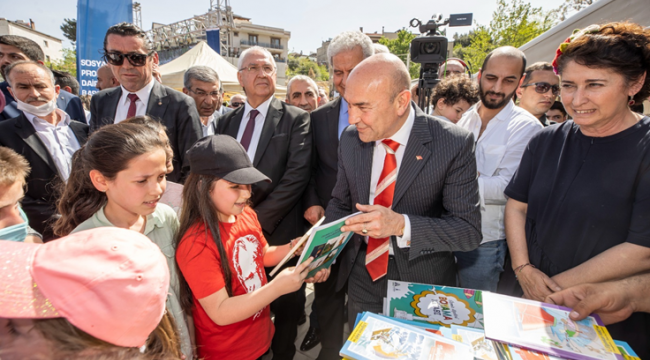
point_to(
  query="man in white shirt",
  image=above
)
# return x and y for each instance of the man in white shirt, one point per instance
(202, 84)
(502, 132)
(132, 61)
(44, 135)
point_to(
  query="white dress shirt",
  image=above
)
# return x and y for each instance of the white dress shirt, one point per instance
(378, 157)
(60, 141)
(209, 128)
(498, 153)
(259, 123)
(140, 104)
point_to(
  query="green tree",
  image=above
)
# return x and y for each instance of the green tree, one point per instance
(514, 23)
(69, 62)
(400, 47)
(69, 28)
(298, 65)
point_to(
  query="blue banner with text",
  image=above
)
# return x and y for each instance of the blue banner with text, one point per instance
(94, 17)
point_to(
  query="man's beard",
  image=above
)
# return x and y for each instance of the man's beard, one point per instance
(493, 105)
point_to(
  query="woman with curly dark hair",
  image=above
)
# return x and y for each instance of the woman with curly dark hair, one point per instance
(579, 205)
(453, 96)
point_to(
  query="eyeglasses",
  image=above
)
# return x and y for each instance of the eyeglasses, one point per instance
(544, 87)
(202, 93)
(236, 104)
(135, 59)
(267, 69)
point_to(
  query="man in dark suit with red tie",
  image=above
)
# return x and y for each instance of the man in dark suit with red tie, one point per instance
(132, 62)
(277, 138)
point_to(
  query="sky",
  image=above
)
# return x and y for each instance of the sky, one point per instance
(310, 22)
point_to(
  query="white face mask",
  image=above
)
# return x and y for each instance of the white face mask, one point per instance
(43, 110)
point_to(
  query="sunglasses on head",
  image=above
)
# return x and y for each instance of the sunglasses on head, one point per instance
(544, 87)
(135, 59)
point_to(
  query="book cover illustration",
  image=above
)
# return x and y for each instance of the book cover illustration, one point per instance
(625, 350)
(377, 338)
(546, 328)
(483, 348)
(441, 305)
(517, 353)
(325, 243)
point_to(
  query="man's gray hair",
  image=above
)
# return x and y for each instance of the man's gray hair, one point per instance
(12, 66)
(256, 48)
(381, 49)
(309, 81)
(348, 40)
(201, 73)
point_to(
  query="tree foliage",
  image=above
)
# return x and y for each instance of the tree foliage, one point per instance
(514, 23)
(69, 28)
(298, 65)
(400, 47)
(69, 62)
(568, 8)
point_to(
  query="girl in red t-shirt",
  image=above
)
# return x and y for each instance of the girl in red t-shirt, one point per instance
(228, 299)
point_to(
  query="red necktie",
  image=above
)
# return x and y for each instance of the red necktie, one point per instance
(131, 112)
(377, 252)
(248, 132)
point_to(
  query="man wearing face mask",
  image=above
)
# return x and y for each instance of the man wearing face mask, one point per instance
(44, 135)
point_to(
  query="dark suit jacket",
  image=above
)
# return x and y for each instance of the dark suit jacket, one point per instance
(172, 108)
(325, 134)
(284, 155)
(67, 102)
(42, 182)
(439, 193)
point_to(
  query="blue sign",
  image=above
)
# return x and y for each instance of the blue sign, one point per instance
(214, 42)
(94, 17)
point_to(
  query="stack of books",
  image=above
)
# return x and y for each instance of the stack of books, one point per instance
(438, 323)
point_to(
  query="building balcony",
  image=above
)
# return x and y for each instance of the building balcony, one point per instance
(262, 44)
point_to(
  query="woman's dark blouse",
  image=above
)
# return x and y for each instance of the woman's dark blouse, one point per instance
(584, 194)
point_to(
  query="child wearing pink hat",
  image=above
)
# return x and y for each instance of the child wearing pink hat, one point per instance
(95, 291)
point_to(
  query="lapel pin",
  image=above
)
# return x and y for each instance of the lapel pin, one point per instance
(418, 157)
(159, 102)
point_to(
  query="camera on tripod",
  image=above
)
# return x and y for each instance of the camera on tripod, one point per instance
(430, 50)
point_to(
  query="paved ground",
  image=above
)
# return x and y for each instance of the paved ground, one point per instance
(302, 330)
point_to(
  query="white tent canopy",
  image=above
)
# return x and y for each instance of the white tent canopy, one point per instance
(202, 54)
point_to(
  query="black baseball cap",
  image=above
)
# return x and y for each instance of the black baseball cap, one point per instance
(222, 156)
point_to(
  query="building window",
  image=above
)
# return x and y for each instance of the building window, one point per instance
(235, 33)
(45, 42)
(275, 43)
(252, 39)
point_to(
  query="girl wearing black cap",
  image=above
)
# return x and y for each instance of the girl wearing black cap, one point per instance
(229, 299)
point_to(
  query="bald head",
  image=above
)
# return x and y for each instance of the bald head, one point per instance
(506, 52)
(105, 78)
(378, 96)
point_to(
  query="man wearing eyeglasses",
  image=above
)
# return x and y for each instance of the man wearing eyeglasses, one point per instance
(502, 131)
(538, 90)
(278, 140)
(127, 52)
(237, 100)
(202, 84)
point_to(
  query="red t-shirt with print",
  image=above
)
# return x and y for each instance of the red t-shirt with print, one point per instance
(199, 261)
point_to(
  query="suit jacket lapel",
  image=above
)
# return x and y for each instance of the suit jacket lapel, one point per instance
(232, 127)
(79, 132)
(415, 157)
(157, 101)
(272, 119)
(363, 168)
(109, 106)
(27, 132)
(333, 122)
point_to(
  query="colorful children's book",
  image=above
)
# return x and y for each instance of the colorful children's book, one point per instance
(546, 328)
(325, 243)
(440, 305)
(626, 350)
(483, 348)
(377, 337)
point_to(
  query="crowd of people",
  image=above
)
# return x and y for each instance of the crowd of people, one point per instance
(523, 179)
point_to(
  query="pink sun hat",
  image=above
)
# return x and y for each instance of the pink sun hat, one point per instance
(111, 283)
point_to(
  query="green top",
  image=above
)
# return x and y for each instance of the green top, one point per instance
(160, 227)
